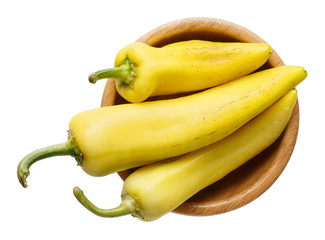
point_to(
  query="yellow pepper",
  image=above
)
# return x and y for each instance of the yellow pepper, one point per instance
(142, 71)
(156, 189)
(115, 138)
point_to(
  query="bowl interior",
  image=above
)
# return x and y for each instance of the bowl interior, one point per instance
(253, 178)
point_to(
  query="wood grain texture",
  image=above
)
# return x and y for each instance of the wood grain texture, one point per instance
(253, 178)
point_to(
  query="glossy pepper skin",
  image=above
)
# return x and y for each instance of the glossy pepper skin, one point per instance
(142, 71)
(115, 138)
(156, 189)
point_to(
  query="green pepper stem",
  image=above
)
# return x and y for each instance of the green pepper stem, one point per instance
(67, 148)
(121, 72)
(125, 73)
(121, 210)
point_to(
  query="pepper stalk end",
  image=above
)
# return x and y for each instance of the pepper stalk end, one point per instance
(67, 148)
(92, 78)
(22, 175)
(124, 73)
(122, 209)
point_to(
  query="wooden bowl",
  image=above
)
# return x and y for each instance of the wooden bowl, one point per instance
(253, 178)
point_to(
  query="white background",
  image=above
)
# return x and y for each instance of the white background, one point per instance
(47, 50)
